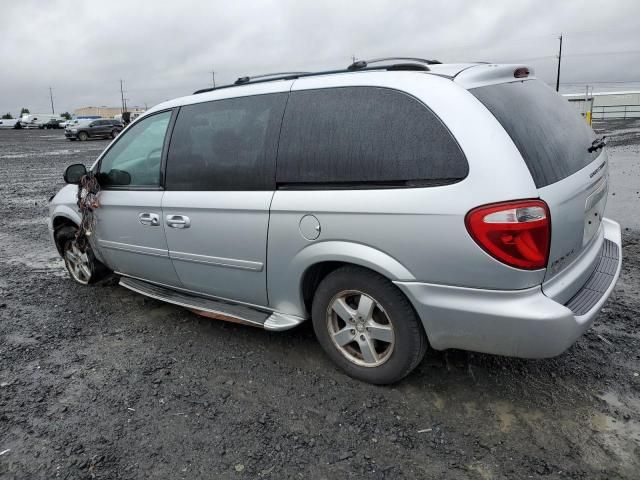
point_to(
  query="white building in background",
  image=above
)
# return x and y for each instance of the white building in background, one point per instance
(106, 112)
(606, 104)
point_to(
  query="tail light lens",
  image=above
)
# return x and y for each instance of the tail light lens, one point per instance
(516, 233)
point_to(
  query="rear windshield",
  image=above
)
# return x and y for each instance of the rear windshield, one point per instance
(551, 135)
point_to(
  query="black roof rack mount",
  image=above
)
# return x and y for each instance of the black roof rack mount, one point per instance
(410, 63)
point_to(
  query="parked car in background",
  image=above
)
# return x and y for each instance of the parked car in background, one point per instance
(101, 128)
(53, 123)
(396, 206)
(10, 123)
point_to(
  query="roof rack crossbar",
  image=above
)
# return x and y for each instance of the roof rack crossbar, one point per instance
(359, 64)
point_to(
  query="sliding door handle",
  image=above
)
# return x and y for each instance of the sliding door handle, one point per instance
(151, 219)
(178, 221)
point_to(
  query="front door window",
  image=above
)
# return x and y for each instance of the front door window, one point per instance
(134, 160)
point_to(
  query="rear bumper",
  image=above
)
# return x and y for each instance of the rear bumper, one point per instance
(519, 323)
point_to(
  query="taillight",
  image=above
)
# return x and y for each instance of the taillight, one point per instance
(517, 233)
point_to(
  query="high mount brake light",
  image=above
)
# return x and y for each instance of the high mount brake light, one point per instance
(522, 72)
(516, 233)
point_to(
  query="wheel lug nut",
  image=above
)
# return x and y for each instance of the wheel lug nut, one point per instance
(353, 332)
(361, 337)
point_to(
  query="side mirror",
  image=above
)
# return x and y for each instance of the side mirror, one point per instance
(74, 173)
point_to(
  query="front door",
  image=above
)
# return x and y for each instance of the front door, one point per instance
(219, 185)
(129, 227)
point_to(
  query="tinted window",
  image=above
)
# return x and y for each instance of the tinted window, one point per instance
(551, 136)
(365, 135)
(134, 160)
(226, 144)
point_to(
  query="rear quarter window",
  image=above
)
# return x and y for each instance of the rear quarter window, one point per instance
(551, 136)
(365, 136)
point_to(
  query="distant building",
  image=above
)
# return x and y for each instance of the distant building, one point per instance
(624, 104)
(105, 112)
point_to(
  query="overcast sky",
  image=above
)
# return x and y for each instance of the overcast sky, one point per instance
(165, 49)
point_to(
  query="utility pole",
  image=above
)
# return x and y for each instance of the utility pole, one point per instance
(123, 109)
(213, 78)
(559, 61)
(51, 97)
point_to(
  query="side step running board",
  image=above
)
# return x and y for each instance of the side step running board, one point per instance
(208, 307)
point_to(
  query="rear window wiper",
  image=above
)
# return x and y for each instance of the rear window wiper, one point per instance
(597, 144)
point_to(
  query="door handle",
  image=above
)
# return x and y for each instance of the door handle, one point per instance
(178, 221)
(151, 219)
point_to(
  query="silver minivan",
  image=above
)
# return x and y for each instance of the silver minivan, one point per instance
(398, 204)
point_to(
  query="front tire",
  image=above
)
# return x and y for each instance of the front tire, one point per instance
(367, 326)
(83, 267)
(82, 136)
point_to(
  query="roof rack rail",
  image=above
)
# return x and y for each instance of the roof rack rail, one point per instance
(267, 77)
(360, 64)
(279, 75)
(413, 64)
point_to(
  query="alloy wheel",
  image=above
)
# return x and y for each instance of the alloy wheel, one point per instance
(78, 263)
(360, 328)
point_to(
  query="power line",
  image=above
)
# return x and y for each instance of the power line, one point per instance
(590, 54)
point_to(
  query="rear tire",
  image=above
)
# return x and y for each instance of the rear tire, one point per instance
(82, 136)
(83, 267)
(367, 326)
(114, 133)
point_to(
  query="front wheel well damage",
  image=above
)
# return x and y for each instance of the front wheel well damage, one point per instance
(58, 224)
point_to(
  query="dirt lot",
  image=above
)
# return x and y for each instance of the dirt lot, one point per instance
(102, 383)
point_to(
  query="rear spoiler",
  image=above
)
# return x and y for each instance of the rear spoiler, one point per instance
(492, 73)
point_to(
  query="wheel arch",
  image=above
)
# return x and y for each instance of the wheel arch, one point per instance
(62, 219)
(317, 260)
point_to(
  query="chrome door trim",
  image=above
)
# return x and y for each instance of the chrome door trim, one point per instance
(125, 247)
(218, 261)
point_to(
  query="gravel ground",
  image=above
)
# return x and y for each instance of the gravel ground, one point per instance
(98, 382)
